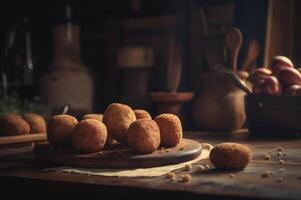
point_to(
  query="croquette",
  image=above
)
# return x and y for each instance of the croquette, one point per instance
(230, 156)
(90, 136)
(99, 117)
(144, 136)
(11, 124)
(118, 118)
(36, 122)
(170, 129)
(93, 116)
(60, 129)
(142, 114)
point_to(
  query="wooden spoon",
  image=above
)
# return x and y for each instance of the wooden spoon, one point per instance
(233, 44)
(251, 55)
(174, 67)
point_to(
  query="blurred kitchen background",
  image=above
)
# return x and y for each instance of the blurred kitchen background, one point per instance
(149, 54)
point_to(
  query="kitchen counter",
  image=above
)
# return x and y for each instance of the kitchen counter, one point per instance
(21, 176)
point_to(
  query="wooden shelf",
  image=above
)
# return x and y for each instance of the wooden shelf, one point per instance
(19, 139)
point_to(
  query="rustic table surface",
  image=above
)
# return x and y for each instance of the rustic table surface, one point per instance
(21, 176)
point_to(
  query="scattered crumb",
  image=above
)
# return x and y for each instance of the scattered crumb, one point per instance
(280, 149)
(279, 180)
(173, 178)
(279, 153)
(162, 148)
(201, 167)
(181, 148)
(207, 166)
(206, 146)
(232, 175)
(186, 178)
(267, 157)
(170, 175)
(187, 167)
(167, 150)
(266, 174)
(282, 170)
(281, 161)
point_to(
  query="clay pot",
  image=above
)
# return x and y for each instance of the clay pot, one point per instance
(67, 80)
(220, 103)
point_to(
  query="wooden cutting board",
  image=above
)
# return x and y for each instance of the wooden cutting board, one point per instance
(118, 156)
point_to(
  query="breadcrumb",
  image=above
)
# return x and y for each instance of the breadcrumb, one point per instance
(187, 167)
(279, 180)
(232, 175)
(279, 153)
(201, 167)
(267, 157)
(266, 174)
(181, 148)
(281, 161)
(207, 166)
(186, 178)
(170, 175)
(206, 146)
(280, 149)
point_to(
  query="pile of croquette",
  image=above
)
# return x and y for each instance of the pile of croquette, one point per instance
(12, 124)
(119, 122)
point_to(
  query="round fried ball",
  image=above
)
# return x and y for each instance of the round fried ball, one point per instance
(93, 116)
(118, 118)
(60, 129)
(90, 136)
(99, 117)
(170, 129)
(142, 114)
(144, 136)
(36, 122)
(230, 156)
(11, 124)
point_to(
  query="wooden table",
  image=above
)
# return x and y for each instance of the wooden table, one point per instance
(21, 176)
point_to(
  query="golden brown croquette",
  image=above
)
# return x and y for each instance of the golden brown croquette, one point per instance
(60, 129)
(144, 136)
(93, 116)
(170, 129)
(230, 156)
(90, 136)
(142, 114)
(11, 124)
(36, 122)
(118, 118)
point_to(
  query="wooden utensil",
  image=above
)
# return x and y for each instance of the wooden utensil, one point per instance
(214, 53)
(233, 43)
(251, 55)
(174, 67)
